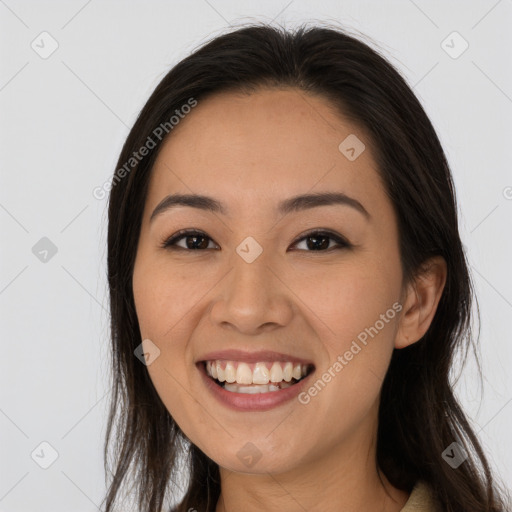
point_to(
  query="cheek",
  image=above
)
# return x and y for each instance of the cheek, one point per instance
(166, 302)
(158, 313)
(354, 311)
(347, 298)
(163, 297)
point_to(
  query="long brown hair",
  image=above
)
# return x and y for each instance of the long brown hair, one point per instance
(419, 415)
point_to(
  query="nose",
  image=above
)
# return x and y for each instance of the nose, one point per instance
(252, 298)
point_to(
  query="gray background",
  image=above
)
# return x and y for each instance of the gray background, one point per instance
(63, 121)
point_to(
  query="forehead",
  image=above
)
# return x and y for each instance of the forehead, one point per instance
(268, 144)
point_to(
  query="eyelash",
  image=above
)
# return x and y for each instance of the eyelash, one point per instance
(170, 243)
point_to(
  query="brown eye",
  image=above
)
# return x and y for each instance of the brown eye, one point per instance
(194, 240)
(319, 241)
(316, 241)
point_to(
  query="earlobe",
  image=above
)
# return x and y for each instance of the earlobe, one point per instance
(421, 300)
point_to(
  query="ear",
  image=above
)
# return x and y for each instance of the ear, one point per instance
(420, 303)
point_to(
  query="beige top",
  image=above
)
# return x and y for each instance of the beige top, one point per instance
(421, 500)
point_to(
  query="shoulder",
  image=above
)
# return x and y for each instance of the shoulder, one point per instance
(421, 499)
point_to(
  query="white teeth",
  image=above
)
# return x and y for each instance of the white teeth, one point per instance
(276, 373)
(220, 372)
(249, 390)
(261, 374)
(252, 390)
(297, 373)
(213, 369)
(287, 372)
(243, 374)
(230, 372)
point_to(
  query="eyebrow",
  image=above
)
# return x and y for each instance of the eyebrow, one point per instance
(293, 204)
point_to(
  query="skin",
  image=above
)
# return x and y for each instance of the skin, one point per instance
(251, 152)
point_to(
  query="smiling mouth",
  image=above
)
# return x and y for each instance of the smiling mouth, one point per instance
(253, 378)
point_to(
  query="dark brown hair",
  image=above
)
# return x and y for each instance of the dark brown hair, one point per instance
(419, 415)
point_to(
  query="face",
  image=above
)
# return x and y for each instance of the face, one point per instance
(254, 277)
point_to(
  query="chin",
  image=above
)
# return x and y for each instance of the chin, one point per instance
(253, 460)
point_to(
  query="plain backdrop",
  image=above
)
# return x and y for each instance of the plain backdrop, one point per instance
(64, 117)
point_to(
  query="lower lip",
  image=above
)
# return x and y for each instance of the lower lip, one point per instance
(252, 402)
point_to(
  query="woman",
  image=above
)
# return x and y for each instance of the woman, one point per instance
(288, 288)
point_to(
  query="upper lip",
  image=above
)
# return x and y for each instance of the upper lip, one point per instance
(252, 357)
